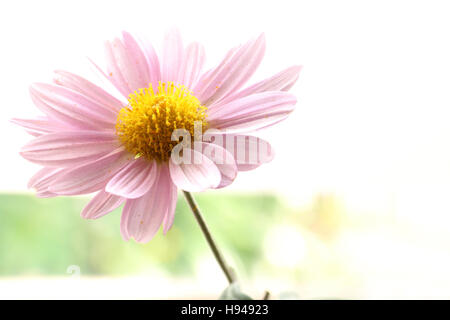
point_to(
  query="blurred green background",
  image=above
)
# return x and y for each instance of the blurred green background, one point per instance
(44, 236)
(323, 249)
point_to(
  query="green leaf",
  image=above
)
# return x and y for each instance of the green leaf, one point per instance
(233, 292)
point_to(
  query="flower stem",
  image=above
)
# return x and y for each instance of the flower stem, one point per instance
(212, 244)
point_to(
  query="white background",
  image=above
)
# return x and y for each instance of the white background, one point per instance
(372, 121)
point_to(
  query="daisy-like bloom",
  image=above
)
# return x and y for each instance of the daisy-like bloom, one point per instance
(120, 147)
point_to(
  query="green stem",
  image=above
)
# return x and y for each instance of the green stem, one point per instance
(212, 244)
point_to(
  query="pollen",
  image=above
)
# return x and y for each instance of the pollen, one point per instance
(146, 124)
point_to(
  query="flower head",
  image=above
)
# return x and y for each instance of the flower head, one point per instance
(146, 125)
(129, 149)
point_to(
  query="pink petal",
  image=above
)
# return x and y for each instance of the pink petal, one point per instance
(224, 61)
(131, 64)
(205, 77)
(232, 73)
(133, 180)
(142, 217)
(252, 112)
(39, 179)
(41, 174)
(195, 176)
(102, 204)
(224, 161)
(137, 60)
(209, 75)
(43, 179)
(69, 148)
(72, 108)
(45, 194)
(114, 72)
(172, 56)
(90, 177)
(172, 196)
(88, 89)
(249, 152)
(262, 124)
(192, 65)
(282, 81)
(38, 127)
(154, 68)
(128, 68)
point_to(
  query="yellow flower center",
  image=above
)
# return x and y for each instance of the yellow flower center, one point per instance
(145, 126)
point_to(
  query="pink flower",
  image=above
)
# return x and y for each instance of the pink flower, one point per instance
(90, 141)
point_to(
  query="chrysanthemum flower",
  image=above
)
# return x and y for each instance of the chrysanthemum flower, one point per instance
(120, 147)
